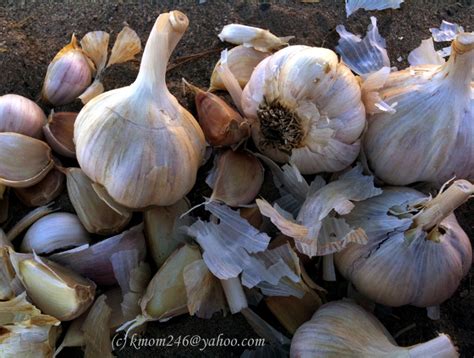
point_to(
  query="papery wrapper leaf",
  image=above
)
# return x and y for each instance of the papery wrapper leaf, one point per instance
(366, 55)
(354, 5)
(126, 46)
(373, 102)
(263, 329)
(425, 54)
(8, 289)
(74, 336)
(446, 32)
(96, 330)
(95, 45)
(203, 290)
(230, 82)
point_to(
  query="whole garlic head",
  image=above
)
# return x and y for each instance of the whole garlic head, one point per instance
(416, 253)
(137, 141)
(430, 137)
(307, 109)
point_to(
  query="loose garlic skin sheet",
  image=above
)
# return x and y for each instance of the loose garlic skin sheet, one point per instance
(313, 102)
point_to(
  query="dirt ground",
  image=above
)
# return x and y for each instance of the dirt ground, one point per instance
(31, 32)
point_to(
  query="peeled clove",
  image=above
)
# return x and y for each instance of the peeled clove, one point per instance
(68, 75)
(221, 124)
(59, 133)
(95, 214)
(53, 232)
(236, 178)
(54, 289)
(24, 161)
(21, 115)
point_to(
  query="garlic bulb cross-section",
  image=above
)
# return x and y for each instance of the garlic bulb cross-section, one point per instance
(307, 109)
(430, 137)
(137, 141)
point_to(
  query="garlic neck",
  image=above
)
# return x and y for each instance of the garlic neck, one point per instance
(166, 33)
(444, 204)
(459, 68)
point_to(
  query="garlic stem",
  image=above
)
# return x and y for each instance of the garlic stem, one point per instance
(29, 220)
(438, 347)
(234, 294)
(329, 272)
(433, 312)
(444, 204)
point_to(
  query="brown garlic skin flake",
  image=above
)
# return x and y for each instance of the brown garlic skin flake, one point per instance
(59, 133)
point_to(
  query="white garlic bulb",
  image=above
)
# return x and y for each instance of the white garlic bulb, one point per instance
(137, 141)
(416, 253)
(21, 115)
(307, 109)
(430, 137)
(344, 329)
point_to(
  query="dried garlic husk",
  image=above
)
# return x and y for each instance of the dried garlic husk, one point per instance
(96, 330)
(354, 5)
(20, 115)
(221, 124)
(68, 75)
(126, 46)
(53, 232)
(25, 161)
(95, 45)
(307, 109)
(45, 191)
(96, 216)
(344, 329)
(236, 178)
(165, 296)
(56, 290)
(430, 136)
(162, 229)
(248, 36)
(157, 145)
(241, 61)
(416, 254)
(8, 287)
(59, 133)
(95, 263)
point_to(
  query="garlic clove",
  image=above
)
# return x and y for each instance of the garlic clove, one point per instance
(96, 215)
(53, 232)
(54, 289)
(45, 191)
(95, 89)
(7, 275)
(28, 220)
(248, 36)
(96, 330)
(153, 135)
(344, 329)
(241, 61)
(24, 161)
(106, 198)
(221, 124)
(59, 133)
(21, 115)
(162, 229)
(236, 178)
(126, 46)
(95, 45)
(68, 75)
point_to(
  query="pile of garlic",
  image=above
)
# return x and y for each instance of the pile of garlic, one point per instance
(132, 251)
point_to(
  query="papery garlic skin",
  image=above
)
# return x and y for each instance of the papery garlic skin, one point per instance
(430, 137)
(137, 141)
(393, 271)
(344, 329)
(68, 75)
(306, 108)
(21, 115)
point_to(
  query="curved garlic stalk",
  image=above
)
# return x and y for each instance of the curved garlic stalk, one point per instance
(307, 109)
(137, 141)
(416, 253)
(430, 137)
(344, 329)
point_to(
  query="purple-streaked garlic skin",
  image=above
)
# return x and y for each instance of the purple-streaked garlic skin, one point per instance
(21, 115)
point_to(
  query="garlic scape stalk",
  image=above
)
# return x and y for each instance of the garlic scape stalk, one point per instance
(137, 141)
(306, 108)
(416, 253)
(344, 329)
(430, 137)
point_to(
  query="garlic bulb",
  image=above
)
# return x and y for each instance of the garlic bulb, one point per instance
(53, 232)
(416, 253)
(430, 137)
(68, 75)
(307, 109)
(20, 115)
(59, 133)
(137, 141)
(344, 329)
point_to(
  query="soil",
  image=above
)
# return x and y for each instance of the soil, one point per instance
(31, 32)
